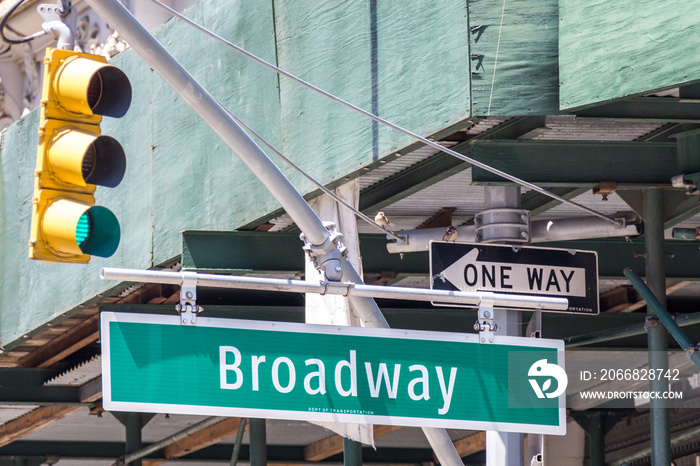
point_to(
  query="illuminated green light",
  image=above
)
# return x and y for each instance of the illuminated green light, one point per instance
(82, 229)
(97, 232)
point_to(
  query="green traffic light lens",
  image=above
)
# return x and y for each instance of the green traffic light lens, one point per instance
(82, 229)
(97, 232)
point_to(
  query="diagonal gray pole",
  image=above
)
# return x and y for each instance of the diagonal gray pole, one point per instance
(216, 117)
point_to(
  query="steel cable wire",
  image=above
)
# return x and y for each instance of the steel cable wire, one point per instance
(400, 129)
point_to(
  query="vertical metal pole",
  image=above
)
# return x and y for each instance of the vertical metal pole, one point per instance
(216, 117)
(504, 447)
(596, 439)
(657, 336)
(352, 452)
(133, 427)
(258, 442)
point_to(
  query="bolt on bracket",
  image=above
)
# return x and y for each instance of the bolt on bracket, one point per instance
(485, 324)
(651, 321)
(187, 307)
(326, 257)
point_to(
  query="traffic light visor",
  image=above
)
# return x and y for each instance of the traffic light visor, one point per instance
(87, 86)
(80, 157)
(76, 228)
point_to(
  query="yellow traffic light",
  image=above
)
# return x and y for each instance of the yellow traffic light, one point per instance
(73, 158)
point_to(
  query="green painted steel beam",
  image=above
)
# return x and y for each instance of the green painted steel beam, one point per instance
(26, 385)
(646, 108)
(440, 166)
(579, 164)
(687, 208)
(616, 254)
(513, 128)
(244, 252)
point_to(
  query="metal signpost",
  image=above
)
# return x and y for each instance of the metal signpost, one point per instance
(564, 273)
(152, 363)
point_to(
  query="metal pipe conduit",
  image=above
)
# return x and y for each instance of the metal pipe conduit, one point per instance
(562, 229)
(663, 315)
(336, 288)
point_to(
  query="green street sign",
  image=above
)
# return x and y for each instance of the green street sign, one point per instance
(228, 367)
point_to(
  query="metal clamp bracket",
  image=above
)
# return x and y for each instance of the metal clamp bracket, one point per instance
(59, 22)
(187, 307)
(342, 285)
(326, 257)
(651, 321)
(496, 225)
(485, 324)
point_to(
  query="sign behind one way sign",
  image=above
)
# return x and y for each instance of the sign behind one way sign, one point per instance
(564, 273)
(227, 367)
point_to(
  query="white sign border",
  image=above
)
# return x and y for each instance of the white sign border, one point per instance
(109, 316)
(471, 306)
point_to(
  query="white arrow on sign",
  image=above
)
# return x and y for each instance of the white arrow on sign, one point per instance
(470, 274)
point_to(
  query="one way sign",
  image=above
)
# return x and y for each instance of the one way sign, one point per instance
(565, 273)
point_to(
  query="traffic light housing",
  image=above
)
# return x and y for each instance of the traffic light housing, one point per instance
(73, 158)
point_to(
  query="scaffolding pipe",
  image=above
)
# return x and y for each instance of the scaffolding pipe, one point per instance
(352, 452)
(134, 442)
(335, 288)
(624, 332)
(675, 440)
(176, 437)
(664, 316)
(257, 432)
(657, 336)
(596, 438)
(239, 441)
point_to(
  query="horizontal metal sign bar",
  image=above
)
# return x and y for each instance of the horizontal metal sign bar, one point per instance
(337, 288)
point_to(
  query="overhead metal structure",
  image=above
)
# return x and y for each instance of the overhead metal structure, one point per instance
(636, 153)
